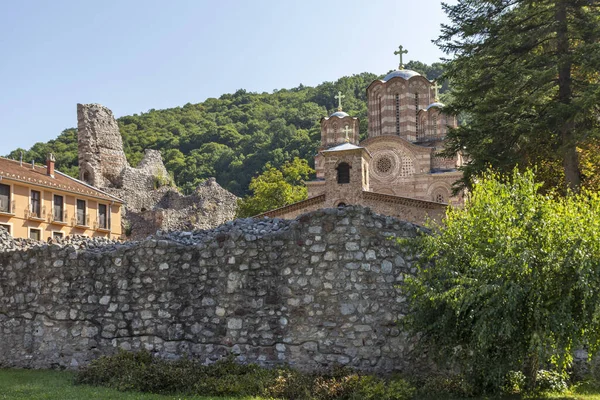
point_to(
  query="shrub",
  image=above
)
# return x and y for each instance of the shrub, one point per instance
(509, 283)
(141, 372)
(551, 381)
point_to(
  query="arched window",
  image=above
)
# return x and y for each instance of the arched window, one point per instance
(397, 114)
(435, 126)
(379, 110)
(416, 112)
(341, 205)
(343, 173)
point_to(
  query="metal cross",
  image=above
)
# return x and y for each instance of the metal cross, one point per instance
(347, 131)
(401, 51)
(436, 88)
(339, 97)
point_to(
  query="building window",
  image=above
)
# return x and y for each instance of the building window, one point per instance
(35, 234)
(416, 112)
(379, 110)
(434, 126)
(341, 205)
(397, 114)
(103, 217)
(7, 228)
(36, 204)
(58, 235)
(343, 173)
(81, 213)
(58, 211)
(4, 198)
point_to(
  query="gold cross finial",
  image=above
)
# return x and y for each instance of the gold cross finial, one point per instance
(436, 89)
(347, 131)
(339, 97)
(401, 51)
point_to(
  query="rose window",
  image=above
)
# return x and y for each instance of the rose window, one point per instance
(384, 165)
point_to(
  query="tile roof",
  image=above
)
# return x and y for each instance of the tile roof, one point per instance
(11, 169)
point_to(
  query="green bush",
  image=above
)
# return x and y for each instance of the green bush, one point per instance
(515, 382)
(144, 373)
(551, 381)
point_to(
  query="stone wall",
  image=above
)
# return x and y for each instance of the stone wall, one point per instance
(319, 290)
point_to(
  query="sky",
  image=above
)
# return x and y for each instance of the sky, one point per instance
(136, 55)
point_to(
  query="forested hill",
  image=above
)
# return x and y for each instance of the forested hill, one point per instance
(232, 137)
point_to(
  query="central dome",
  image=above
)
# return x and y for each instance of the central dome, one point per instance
(405, 74)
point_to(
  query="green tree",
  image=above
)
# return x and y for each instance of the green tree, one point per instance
(276, 188)
(526, 73)
(511, 282)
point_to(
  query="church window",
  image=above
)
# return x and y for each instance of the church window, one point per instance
(440, 198)
(379, 115)
(397, 114)
(384, 165)
(416, 112)
(343, 173)
(435, 127)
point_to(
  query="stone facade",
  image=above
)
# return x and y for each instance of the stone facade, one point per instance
(151, 200)
(320, 290)
(407, 129)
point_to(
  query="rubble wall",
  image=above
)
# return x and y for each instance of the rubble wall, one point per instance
(321, 290)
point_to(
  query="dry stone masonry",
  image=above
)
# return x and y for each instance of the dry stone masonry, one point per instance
(151, 200)
(320, 290)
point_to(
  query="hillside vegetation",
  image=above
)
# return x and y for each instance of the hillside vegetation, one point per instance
(233, 137)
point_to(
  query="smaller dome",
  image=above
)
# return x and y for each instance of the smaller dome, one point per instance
(339, 114)
(405, 74)
(436, 104)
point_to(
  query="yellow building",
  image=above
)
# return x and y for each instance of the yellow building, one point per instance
(39, 203)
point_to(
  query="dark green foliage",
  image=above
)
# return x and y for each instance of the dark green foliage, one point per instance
(509, 283)
(525, 74)
(231, 138)
(141, 372)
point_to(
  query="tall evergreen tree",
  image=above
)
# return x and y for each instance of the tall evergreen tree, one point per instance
(525, 74)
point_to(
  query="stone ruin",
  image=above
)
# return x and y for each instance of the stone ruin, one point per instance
(152, 202)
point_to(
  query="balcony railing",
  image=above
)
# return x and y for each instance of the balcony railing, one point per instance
(60, 217)
(32, 214)
(83, 222)
(9, 208)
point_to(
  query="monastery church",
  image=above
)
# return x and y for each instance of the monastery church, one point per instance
(395, 171)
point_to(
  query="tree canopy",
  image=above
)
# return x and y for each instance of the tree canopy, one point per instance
(276, 187)
(525, 75)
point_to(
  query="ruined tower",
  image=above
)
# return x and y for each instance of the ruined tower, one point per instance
(100, 147)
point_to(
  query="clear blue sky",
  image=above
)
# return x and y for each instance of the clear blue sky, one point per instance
(132, 56)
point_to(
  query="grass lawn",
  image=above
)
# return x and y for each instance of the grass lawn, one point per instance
(18, 384)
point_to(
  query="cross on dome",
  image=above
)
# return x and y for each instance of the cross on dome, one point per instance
(436, 88)
(339, 97)
(401, 51)
(347, 131)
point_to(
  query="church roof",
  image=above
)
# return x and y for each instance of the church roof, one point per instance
(405, 74)
(436, 104)
(345, 146)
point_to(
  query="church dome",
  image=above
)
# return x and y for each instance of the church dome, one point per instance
(339, 114)
(436, 104)
(405, 74)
